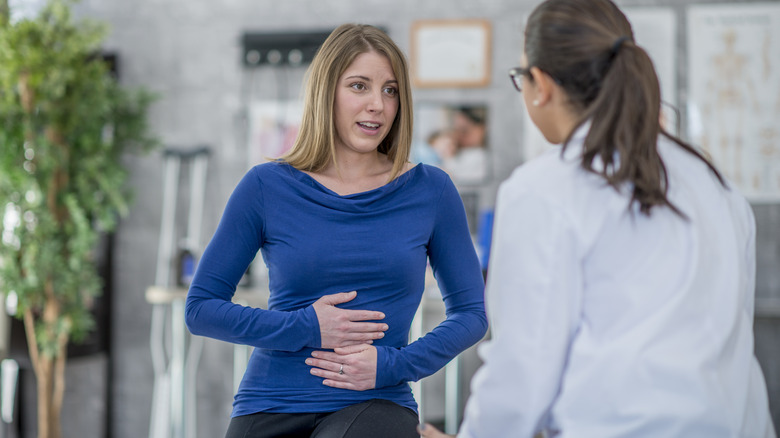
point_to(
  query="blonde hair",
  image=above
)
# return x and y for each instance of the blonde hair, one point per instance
(314, 148)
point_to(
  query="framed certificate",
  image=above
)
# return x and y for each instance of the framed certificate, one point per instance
(450, 53)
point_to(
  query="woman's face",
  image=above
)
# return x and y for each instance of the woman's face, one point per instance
(469, 133)
(366, 103)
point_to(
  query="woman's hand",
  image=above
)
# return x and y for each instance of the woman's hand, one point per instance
(428, 431)
(341, 327)
(351, 367)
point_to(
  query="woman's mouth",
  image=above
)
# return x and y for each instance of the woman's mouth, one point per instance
(369, 126)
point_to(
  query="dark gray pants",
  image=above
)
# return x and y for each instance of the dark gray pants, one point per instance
(374, 418)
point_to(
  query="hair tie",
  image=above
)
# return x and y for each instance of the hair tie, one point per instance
(617, 44)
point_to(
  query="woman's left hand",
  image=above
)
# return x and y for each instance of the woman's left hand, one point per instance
(357, 364)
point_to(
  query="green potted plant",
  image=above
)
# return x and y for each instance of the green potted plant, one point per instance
(65, 125)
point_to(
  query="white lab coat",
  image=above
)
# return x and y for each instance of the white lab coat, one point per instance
(608, 323)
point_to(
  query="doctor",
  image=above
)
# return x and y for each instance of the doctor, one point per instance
(621, 284)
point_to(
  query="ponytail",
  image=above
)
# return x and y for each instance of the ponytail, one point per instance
(625, 126)
(588, 47)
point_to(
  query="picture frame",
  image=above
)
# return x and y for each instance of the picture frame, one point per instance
(451, 53)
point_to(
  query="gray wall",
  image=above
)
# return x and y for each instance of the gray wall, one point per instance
(189, 52)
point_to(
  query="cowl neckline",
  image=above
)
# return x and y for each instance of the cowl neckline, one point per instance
(367, 195)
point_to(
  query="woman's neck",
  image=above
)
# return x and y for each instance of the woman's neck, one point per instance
(356, 166)
(566, 120)
(355, 173)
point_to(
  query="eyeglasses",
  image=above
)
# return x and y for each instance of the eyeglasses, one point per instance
(516, 75)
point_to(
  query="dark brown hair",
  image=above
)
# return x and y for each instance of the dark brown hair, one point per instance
(587, 47)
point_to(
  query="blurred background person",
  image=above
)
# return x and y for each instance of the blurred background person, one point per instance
(469, 165)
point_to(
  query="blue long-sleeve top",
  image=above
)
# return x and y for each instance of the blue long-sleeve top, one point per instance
(316, 242)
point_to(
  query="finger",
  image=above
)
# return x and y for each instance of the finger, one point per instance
(359, 338)
(328, 356)
(340, 384)
(354, 343)
(325, 374)
(365, 315)
(367, 327)
(324, 365)
(339, 298)
(350, 349)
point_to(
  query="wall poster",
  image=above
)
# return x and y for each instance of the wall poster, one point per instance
(734, 92)
(272, 129)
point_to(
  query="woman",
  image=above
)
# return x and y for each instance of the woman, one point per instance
(346, 226)
(621, 282)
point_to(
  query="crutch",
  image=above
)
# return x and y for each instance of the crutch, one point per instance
(173, 403)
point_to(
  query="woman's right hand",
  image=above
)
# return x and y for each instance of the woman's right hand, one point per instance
(344, 327)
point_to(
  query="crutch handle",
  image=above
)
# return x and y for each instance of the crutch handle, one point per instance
(185, 153)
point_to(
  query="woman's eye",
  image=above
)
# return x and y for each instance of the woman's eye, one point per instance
(392, 91)
(358, 86)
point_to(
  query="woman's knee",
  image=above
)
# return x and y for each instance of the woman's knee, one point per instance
(375, 418)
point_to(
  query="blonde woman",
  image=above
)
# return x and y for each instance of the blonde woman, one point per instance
(346, 226)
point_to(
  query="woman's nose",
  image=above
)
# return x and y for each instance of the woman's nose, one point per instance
(375, 102)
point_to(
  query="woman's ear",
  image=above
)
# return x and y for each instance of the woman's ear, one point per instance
(543, 84)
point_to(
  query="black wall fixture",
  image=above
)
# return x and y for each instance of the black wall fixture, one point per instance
(281, 48)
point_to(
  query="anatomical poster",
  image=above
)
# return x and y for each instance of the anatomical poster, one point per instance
(734, 92)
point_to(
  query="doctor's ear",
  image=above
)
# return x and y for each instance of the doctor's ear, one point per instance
(543, 84)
